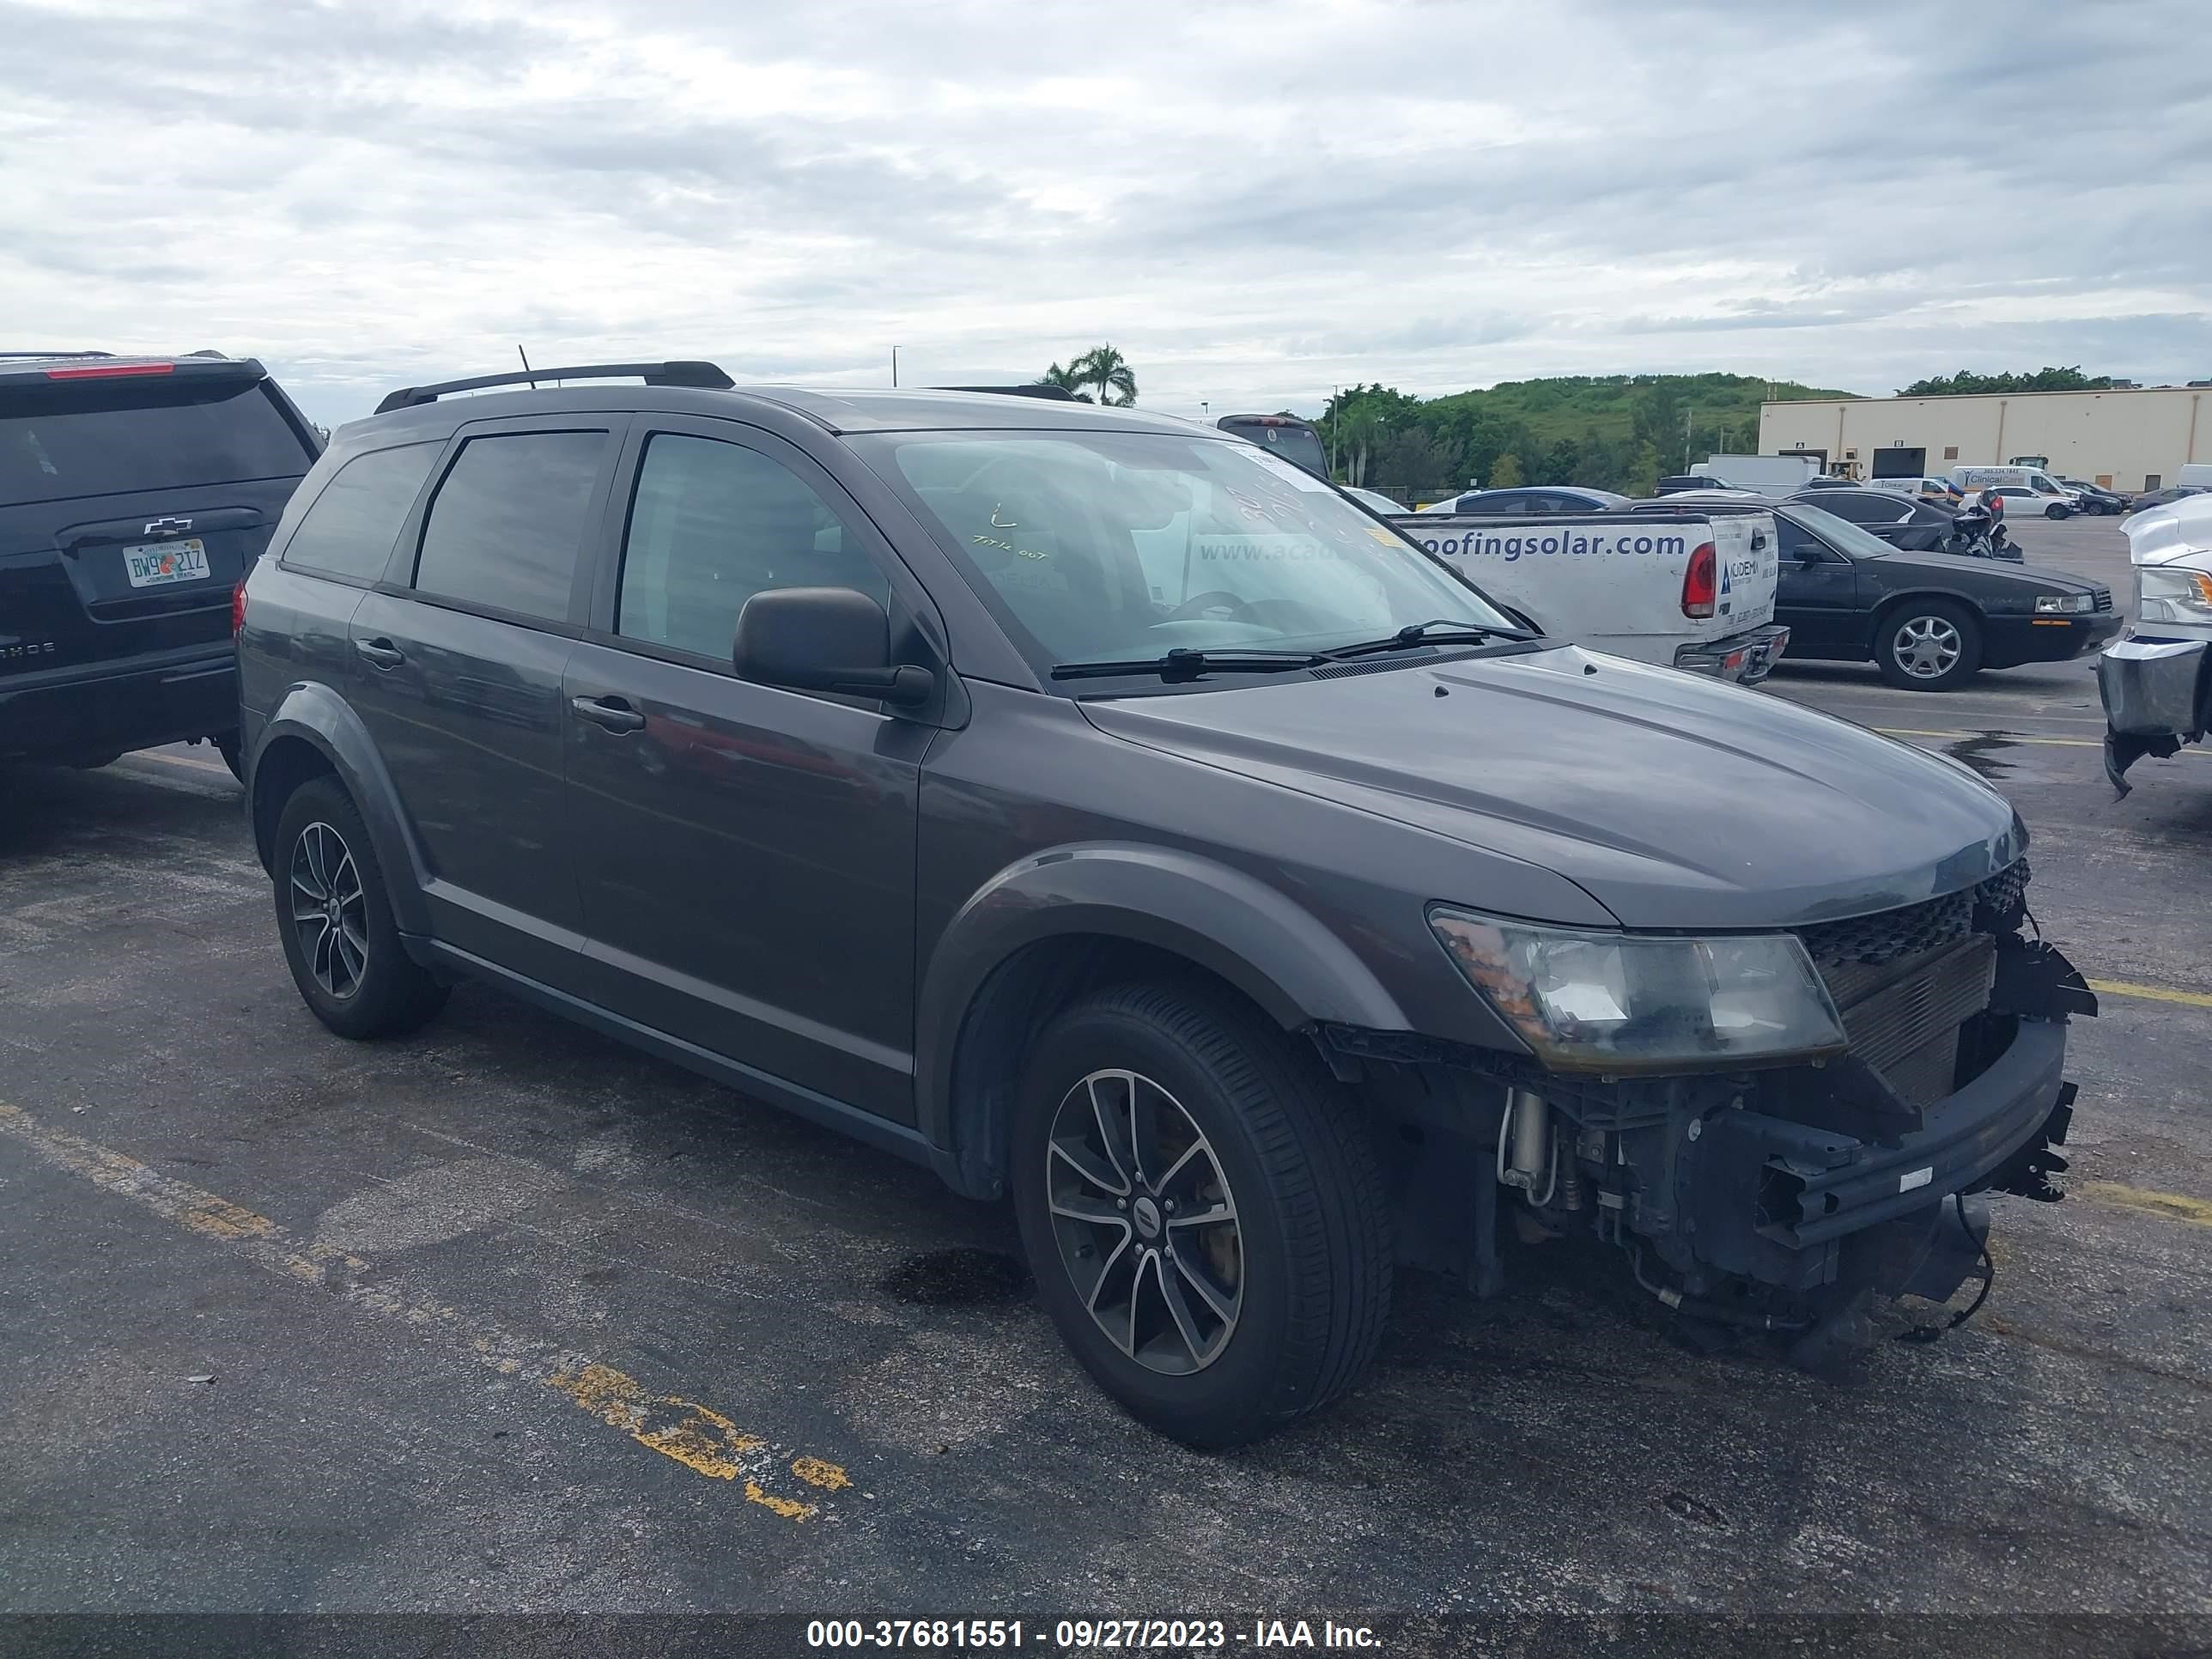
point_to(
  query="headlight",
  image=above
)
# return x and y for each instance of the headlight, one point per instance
(1628, 1002)
(2048, 604)
(2163, 594)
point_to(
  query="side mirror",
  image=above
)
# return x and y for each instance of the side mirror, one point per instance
(824, 638)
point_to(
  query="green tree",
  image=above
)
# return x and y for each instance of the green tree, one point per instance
(1066, 379)
(1109, 371)
(1966, 383)
(1505, 472)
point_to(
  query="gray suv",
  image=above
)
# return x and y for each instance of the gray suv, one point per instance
(1100, 810)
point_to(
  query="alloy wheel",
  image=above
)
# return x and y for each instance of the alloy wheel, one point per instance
(1927, 647)
(330, 912)
(1145, 1222)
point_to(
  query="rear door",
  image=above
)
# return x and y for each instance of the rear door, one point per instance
(132, 499)
(457, 658)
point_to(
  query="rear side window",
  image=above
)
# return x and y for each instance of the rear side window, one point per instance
(349, 530)
(61, 441)
(508, 522)
(713, 524)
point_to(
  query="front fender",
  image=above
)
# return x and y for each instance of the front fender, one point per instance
(1255, 937)
(313, 714)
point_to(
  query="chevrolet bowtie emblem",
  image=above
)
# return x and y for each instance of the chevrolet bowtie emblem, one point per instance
(168, 527)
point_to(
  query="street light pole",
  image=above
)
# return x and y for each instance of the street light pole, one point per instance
(895, 366)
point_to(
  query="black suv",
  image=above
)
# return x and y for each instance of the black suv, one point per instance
(1099, 809)
(135, 495)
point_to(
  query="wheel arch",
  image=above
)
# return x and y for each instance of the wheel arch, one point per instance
(313, 732)
(1056, 924)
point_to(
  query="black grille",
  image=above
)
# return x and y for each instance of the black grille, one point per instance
(1887, 935)
(2104, 599)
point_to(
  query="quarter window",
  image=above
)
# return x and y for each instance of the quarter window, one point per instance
(349, 530)
(713, 524)
(508, 521)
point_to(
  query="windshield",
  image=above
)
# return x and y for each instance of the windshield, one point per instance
(1840, 533)
(1092, 546)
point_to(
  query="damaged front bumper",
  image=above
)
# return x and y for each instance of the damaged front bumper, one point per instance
(2157, 696)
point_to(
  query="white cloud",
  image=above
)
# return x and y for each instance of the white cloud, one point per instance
(1254, 202)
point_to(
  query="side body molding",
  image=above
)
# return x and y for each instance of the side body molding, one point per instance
(1250, 935)
(314, 714)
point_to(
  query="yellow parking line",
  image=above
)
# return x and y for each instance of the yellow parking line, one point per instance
(2171, 1206)
(701, 1439)
(2120, 987)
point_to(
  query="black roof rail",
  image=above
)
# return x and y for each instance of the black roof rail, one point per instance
(706, 375)
(34, 356)
(1058, 394)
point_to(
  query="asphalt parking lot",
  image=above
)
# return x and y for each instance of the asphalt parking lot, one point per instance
(504, 1317)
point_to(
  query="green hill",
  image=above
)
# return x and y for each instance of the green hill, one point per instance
(1611, 432)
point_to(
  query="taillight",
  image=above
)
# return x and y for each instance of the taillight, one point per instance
(109, 371)
(237, 610)
(1701, 582)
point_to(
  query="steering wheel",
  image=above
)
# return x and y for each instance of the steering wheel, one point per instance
(1199, 604)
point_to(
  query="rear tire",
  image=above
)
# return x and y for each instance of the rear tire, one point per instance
(332, 914)
(1927, 645)
(1146, 1107)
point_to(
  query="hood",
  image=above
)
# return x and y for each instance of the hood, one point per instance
(2042, 577)
(2178, 532)
(1676, 802)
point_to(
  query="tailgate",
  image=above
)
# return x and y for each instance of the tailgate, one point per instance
(1611, 579)
(1745, 545)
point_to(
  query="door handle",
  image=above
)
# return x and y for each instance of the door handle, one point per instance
(381, 652)
(611, 713)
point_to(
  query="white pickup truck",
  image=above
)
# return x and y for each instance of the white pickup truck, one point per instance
(1679, 588)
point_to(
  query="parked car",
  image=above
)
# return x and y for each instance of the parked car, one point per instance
(1683, 481)
(1294, 440)
(2166, 497)
(2021, 501)
(1942, 491)
(1929, 621)
(2155, 684)
(2095, 498)
(1683, 588)
(1105, 813)
(1830, 480)
(2023, 486)
(1903, 521)
(135, 492)
(1374, 500)
(1519, 501)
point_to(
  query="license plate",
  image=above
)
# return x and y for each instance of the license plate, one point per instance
(154, 564)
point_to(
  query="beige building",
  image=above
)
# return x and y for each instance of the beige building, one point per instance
(2129, 440)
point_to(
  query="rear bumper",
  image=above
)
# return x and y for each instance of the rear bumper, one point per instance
(1747, 658)
(62, 714)
(2157, 696)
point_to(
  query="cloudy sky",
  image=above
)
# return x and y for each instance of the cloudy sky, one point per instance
(1254, 202)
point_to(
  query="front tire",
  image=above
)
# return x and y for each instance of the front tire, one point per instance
(2055, 511)
(1203, 1211)
(335, 920)
(1928, 645)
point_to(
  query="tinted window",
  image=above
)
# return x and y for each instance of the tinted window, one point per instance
(712, 525)
(349, 530)
(58, 440)
(1796, 542)
(1500, 502)
(507, 521)
(1863, 509)
(1300, 443)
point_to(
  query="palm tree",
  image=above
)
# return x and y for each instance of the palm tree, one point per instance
(1109, 370)
(1066, 379)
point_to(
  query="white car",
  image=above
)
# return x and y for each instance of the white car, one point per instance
(1373, 500)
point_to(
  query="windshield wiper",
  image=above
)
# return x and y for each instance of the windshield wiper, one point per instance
(1182, 664)
(1443, 631)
